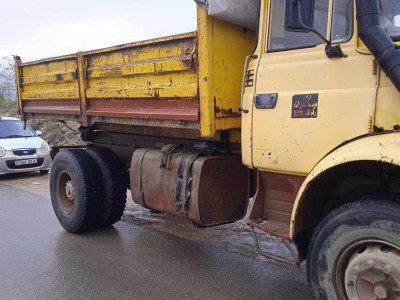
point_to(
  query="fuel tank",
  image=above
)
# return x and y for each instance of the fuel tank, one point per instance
(207, 190)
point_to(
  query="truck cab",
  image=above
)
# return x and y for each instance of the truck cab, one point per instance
(320, 125)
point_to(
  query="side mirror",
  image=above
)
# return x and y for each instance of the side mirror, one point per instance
(299, 15)
(39, 133)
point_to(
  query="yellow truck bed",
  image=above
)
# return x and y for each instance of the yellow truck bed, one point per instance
(190, 81)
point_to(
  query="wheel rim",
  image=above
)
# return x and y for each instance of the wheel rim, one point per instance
(66, 192)
(371, 270)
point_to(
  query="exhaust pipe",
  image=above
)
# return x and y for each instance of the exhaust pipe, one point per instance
(370, 31)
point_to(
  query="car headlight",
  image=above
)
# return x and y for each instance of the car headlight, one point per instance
(2, 152)
(45, 147)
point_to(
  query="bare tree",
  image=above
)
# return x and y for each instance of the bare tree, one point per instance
(7, 79)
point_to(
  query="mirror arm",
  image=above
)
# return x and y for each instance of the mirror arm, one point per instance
(309, 28)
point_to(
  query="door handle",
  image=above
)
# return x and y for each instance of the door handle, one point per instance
(265, 101)
(244, 82)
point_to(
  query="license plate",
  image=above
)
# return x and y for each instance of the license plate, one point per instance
(26, 162)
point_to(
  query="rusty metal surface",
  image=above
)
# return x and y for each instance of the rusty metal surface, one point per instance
(272, 208)
(220, 71)
(271, 227)
(125, 144)
(59, 107)
(222, 190)
(148, 125)
(211, 190)
(81, 62)
(275, 196)
(191, 78)
(151, 80)
(295, 262)
(175, 109)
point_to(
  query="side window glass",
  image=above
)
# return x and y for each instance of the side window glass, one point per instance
(391, 18)
(281, 40)
(342, 21)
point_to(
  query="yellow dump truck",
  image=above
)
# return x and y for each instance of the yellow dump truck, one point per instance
(302, 116)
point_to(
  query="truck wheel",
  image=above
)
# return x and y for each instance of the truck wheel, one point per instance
(113, 180)
(74, 190)
(355, 252)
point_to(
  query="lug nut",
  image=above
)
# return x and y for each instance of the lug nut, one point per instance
(350, 283)
(370, 264)
(355, 270)
(388, 269)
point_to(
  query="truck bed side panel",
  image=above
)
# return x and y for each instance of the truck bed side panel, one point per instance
(50, 87)
(190, 81)
(153, 81)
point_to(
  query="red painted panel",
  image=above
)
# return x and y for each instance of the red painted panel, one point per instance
(179, 110)
(57, 107)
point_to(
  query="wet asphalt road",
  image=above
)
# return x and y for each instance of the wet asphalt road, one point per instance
(39, 260)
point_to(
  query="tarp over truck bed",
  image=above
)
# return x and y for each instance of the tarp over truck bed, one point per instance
(240, 12)
(190, 81)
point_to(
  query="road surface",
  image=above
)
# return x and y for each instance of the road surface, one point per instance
(39, 260)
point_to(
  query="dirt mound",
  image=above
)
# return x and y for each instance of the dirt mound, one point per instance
(58, 134)
(55, 133)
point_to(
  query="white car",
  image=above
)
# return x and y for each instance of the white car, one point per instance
(21, 148)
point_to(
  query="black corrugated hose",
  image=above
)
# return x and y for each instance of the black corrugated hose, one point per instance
(373, 35)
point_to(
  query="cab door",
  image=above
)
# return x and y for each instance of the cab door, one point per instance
(306, 104)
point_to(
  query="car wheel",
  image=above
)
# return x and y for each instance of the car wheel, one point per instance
(74, 190)
(355, 252)
(112, 178)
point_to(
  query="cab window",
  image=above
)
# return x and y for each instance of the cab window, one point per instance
(282, 40)
(342, 21)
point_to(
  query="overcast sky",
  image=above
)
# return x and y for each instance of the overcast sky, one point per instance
(35, 29)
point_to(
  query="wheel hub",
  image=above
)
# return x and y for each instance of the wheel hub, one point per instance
(70, 191)
(66, 192)
(373, 273)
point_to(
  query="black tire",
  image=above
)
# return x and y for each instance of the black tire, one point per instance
(342, 235)
(112, 179)
(74, 168)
